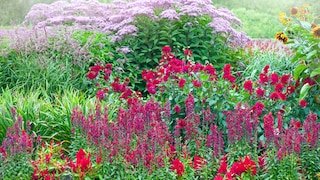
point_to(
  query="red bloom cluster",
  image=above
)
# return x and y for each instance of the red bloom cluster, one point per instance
(177, 165)
(227, 74)
(242, 166)
(83, 163)
(170, 67)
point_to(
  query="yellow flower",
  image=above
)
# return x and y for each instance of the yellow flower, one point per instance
(282, 18)
(316, 32)
(294, 11)
(281, 37)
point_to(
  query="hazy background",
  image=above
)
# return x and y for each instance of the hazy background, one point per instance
(259, 17)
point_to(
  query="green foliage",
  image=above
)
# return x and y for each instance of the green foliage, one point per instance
(50, 115)
(53, 72)
(285, 168)
(186, 33)
(16, 167)
(306, 46)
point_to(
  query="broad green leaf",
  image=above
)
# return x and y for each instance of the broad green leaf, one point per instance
(315, 72)
(299, 69)
(204, 77)
(304, 91)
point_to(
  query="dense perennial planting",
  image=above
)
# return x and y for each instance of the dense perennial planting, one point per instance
(166, 111)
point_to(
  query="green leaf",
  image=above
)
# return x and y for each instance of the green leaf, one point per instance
(311, 54)
(297, 56)
(304, 91)
(204, 77)
(315, 72)
(298, 70)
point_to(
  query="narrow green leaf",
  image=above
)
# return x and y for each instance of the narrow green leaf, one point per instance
(315, 72)
(311, 54)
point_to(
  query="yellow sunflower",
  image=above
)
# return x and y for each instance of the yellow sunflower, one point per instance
(294, 11)
(282, 18)
(316, 32)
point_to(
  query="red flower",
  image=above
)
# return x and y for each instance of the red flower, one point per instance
(196, 83)
(83, 164)
(285, 78)
(303, 103)
(250, 165)
(198, 162)
(223, 166)
(237, 168)
(48, 157)
(283, 97)
(227, 69)
(309, 81)
(187, 52)
(274, 78)
(231, 78)
(181, 123)
(98, 159)
(274, 96)
(265, 69)
(178, 167)
(166, 49)
(100, 94)
(177, 108)
(182, 82)
(92, 74)
(151, 88)
(261, 162)
(263, 78)
(96, 68)
(290, 90)
(260, 92)
(3, 152)
(279, 87)
(218, 177)
(258, 107)
(248, 86)
(210, 70)
(109, 66)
